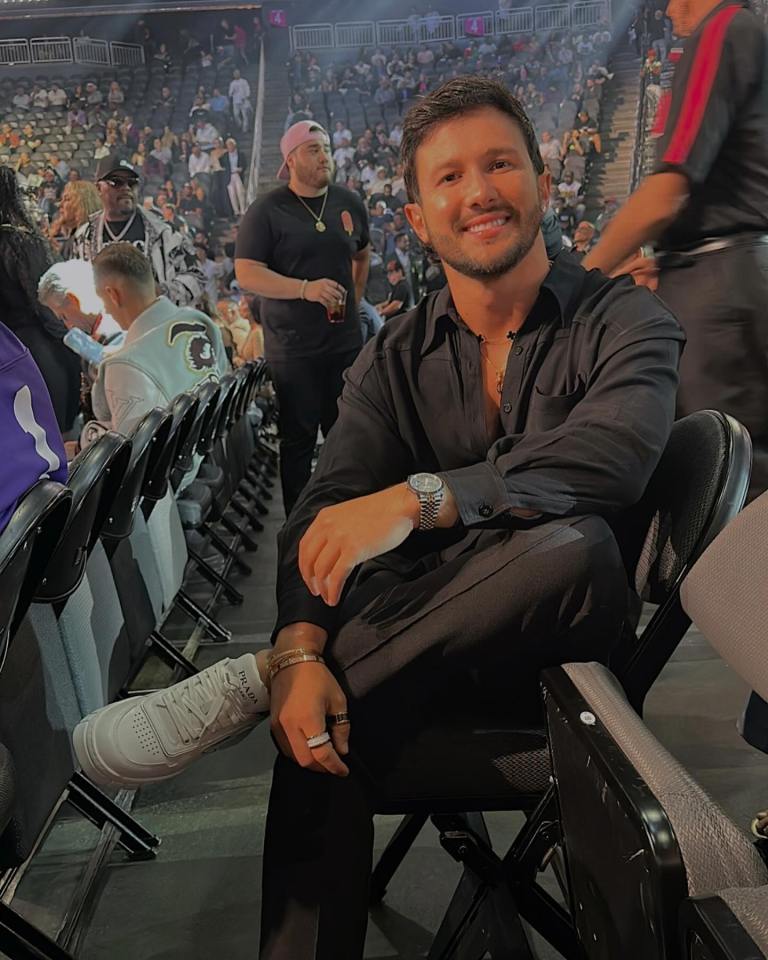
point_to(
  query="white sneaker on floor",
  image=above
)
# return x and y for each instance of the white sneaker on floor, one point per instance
(156, 736)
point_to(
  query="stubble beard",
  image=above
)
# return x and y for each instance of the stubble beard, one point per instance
(448, 249)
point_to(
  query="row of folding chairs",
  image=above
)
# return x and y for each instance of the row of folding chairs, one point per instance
(89, 573)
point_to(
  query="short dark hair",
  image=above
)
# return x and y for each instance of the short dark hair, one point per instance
(125, 261)
(452, 99)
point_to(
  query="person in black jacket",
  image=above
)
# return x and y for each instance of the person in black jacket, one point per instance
(24, 258)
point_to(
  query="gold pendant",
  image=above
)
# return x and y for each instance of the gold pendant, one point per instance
(319, 226)
(499, 383)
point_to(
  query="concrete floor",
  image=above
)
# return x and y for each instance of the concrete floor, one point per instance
(201, 897)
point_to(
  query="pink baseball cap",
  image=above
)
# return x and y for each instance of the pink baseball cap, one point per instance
(305, 131)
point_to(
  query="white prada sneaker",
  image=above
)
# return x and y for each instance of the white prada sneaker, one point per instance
(155, 737)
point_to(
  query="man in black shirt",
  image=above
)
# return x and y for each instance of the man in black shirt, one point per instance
(460, 521)
(705, 208)
(302, 249)
(398, 295)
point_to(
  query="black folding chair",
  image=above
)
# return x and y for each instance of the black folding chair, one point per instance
(732, 926)
(497, 764)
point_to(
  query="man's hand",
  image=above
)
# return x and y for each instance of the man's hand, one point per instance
(327, 292)
(346, 534)
(301, 698)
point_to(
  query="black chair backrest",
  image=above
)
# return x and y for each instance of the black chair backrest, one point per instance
(94, 479)
(227, 398)
(699, 485)
(710, 930)
(238, 405)
(183, 411)
(210, 394)
(147, 441)
(207, 398)
(26, 544)
(626, 877)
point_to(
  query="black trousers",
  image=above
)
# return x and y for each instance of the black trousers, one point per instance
(307, 391)
(509, 602)
(721, 301)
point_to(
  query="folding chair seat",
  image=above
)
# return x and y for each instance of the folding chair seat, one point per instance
(499, 763)
(681, 842)
(730, 926)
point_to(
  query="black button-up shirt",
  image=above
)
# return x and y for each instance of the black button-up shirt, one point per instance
(587, 405)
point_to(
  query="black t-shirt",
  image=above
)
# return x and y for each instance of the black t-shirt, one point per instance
(716, 133)
(280, 232)
(135, 233)
(399, 292)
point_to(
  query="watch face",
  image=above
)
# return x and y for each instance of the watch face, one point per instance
(425, 483)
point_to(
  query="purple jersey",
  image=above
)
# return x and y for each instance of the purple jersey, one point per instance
(31, 443)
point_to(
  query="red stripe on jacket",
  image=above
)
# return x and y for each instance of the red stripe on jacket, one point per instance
(700, 81)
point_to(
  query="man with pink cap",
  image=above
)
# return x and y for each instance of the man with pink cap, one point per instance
(304, 249)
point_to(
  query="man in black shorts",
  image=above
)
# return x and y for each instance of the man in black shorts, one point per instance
(304, 248)
(705, 208)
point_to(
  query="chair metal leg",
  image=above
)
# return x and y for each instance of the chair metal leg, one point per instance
(246, 541)
(246, 514)
(97, 807)
(225, 550)
(234, 596)
(19, 940)
(188, 605)
(168, 653)
(394, 854)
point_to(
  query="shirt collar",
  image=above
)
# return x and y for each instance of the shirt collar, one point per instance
(156, 313)
(560, 287)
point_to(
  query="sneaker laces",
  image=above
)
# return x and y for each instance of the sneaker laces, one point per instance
(200, 704)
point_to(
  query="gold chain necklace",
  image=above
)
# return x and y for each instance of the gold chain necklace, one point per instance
(496, 343)
(319, 225)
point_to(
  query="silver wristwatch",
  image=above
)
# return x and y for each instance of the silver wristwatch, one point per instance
(430, 490)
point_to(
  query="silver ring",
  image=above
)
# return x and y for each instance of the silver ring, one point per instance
(338, 719)
(318, 740)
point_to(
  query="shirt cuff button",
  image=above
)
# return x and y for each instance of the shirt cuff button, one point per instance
(485, 510)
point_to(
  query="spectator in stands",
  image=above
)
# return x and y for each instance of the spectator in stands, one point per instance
(21, 99)
(129, 132)
(238, 326)
(39, 97)
(32, 444)
(199, 162)
(161, 158)
(93, 96)
(29, 138)
(115, 95)
(205, 133)
(233, 170)
(219, 104)
(240, 95)
(302, 249)
(163, 58)
(569, 189)
(209, 271)
(551, 150)
(583, 239)
(167, 349)
(169, 140)
(170, 253)
(399, 295)
(139, 156)
(68, 290)
(24, 258)
(79, 201)
(341, 134)
(57, 97)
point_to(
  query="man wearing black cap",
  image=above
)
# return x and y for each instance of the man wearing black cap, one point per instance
(171, 254)
(399, 295)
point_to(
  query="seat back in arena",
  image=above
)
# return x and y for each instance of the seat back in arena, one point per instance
(187, 451)
(731, 926)
(639, 834)
(148, 441)
(217, 411)
(26, 545)
(183, 410)
(94, 481)
(699, 485)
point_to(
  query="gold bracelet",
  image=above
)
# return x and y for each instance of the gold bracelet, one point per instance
(289, 659)
(303, 289)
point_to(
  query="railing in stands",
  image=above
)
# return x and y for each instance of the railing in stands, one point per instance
(51, 50)
(436, 29)
(126, 54)
(258, 131)
(15, 53)
(88, 50)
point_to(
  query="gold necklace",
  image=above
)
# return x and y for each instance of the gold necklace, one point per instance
(319, 225)
(496, 343)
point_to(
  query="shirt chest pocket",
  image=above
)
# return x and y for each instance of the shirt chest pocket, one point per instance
(548, 411)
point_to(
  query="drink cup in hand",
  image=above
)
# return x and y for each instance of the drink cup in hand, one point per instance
(337, 312)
